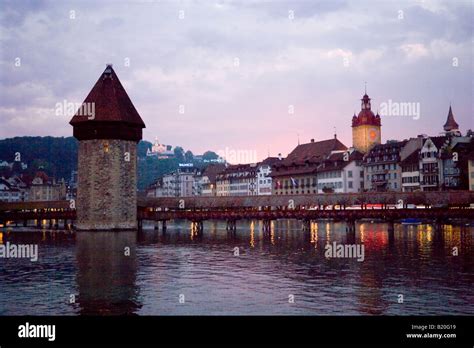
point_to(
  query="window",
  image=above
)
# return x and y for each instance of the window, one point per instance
(349, 184)
(349, 173)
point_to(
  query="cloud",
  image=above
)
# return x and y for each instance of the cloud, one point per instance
(414, 51)
(237, 66)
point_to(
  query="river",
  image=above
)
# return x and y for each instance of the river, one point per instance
(408, 271)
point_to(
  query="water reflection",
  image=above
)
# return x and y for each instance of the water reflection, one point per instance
(106, 274)
(415, 261)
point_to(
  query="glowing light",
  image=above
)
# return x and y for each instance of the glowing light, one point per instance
(272, 233)
(429, 235)
(314, 233)
(252, 234)
(362, 233)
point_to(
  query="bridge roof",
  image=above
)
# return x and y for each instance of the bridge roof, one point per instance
(200, 202)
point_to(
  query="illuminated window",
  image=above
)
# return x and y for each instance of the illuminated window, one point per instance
(106, 146)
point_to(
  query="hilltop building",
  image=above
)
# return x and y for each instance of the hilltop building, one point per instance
(160, 151)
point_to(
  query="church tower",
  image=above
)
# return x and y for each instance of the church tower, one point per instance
(366, 127)
(451, 126)
(108, 128)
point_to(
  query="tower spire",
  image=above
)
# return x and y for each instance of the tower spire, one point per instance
(451, 124)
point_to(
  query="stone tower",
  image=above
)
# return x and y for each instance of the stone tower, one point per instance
(108, 128)
(366, 127)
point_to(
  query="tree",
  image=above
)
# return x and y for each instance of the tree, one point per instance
(188, 156)
(210, 155)
(142, 148)
(179, 153)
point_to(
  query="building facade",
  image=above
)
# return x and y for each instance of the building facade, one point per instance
(156, 189)
(208, 179)
(264, 179)
(296, 174)
(8, 192)
(181, 183)
(411, 172)
(382, 170)
(471, 170)
(431, 163)
(45, 189)
(410, 163)
(237, 180)
(341, 172)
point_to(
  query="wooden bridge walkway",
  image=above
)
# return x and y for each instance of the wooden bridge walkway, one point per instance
(440, 206)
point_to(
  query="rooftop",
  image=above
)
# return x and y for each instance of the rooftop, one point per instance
(111, 102)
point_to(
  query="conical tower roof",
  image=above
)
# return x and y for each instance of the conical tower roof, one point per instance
(114, 115)
(450, 122)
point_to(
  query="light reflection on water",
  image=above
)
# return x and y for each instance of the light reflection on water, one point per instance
(145, 273)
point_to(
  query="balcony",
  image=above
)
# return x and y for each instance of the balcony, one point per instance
(429, 183)
(452, 171)
(379, 180)
(380, 171)
(433, 170)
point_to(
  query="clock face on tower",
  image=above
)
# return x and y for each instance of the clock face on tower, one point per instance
(373, 134)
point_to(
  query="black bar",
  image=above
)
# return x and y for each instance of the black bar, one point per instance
(261, 330)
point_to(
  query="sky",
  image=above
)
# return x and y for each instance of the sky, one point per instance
(244, 78)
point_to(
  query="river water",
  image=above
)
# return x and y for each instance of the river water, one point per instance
(408, 271)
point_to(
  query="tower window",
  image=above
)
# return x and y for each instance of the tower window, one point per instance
(106, 146)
